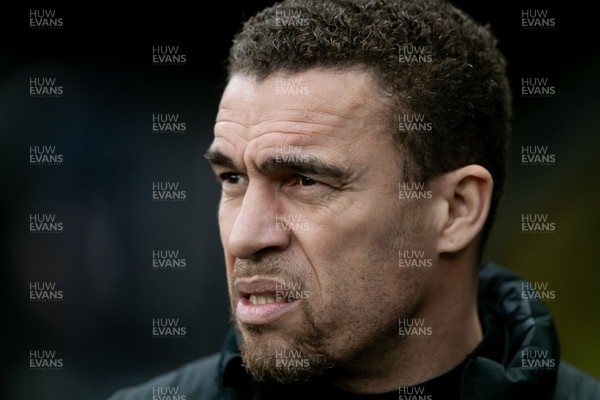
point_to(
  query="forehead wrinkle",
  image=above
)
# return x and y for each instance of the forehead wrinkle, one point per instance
(243, 90)
(253, 111)
(306, 116)
(308, 124)
(252, 108)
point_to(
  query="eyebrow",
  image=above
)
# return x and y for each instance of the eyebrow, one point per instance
(311, 166)
(218, 159)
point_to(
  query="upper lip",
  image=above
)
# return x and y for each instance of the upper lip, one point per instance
(257, 285)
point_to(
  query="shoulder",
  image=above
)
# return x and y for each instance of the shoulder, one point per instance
(574, 384)
(198, 379)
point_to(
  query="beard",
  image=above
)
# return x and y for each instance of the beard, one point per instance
(270, 357)
(300, 358)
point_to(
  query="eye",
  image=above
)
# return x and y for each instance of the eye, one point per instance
(231, 178)
(304, 181)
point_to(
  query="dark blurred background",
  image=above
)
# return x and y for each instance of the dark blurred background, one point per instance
(102, 192)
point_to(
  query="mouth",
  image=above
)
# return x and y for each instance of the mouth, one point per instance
(263, 301)
(268, 298)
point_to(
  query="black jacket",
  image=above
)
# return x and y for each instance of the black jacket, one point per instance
(519, 361)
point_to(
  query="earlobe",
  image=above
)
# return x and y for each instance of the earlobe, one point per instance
(465, 195)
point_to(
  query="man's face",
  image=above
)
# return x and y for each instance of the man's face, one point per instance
(311, 223)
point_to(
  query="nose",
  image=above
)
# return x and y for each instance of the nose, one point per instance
(255, 230)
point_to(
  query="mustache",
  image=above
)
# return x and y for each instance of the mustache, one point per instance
(270, 267)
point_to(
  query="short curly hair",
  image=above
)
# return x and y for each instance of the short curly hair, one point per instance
(460, 84)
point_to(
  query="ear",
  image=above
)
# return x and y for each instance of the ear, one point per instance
(462, 206)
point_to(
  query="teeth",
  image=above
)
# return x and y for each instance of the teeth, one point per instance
(262, 299)
(269, 298)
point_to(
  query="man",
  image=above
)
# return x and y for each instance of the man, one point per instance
(361, 147)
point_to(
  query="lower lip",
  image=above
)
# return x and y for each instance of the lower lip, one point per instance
(262, 314)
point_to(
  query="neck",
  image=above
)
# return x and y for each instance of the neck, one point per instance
(449, 310)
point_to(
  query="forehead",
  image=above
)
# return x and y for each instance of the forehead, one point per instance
(313, 100)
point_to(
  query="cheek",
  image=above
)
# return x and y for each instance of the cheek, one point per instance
(353, 256)
(226, 218)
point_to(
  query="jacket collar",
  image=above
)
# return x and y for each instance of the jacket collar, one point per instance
(529, 358)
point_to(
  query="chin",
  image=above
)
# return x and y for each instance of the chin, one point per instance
(282, 360)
